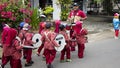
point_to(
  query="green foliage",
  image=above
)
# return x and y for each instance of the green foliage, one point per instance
(64, 14)
(35, 19)
(13, 12)
(108, 6)
(65, 8)
(48, 10)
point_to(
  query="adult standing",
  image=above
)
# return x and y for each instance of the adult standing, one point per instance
(75, 15)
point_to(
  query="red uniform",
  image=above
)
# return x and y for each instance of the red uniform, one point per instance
(22, 37)
(28, 42)
(74, 16)
(66, 48)
(41, 26)
(8, 35)
(41, 30)
(16, 55)
(49, 44)
(72, 43)
(57, 23)
(79, 34)
(42, 45)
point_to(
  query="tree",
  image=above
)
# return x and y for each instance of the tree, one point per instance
(65, 8)
(117, 2)
(108, 6)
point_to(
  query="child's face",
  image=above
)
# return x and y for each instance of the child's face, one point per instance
(116, 17)
(64, 29)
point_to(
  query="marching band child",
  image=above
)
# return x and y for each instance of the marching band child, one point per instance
(41, 30)
(80, 35)
(49, 44)
(17, 52)
(27, 41)
(66, 49)
(116, 23)
(8, 35)
(72, 42)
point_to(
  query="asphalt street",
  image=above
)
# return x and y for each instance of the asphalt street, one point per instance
(100, 54)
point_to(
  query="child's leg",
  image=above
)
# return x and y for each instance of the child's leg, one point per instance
(72, 48)
(29, 55)
(81, 48)
(62, 54)
(17, 63)
(47, 55)
(68, 55)
(116, 33)
(52, 56)
(40, 49)
(5, 60)
(24, 53)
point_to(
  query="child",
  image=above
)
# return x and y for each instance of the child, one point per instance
(42, 29)
(80, 35)
(17, 54)
(66, 49)
(72, 42)
(27, 41)
(116, 23)
(49, 44)
(8, 35)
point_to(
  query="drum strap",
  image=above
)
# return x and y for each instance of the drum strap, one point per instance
(19, 40)
(47, 36)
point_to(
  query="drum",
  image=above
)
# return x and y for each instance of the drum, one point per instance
(25, 46)
(61, 41)
(37, 38)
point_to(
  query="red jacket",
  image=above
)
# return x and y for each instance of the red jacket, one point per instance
(67, 39)
(7, 40)
(17, 48)
(48, 39)
(41, 26)
(80, 37)
(76, 15)
(28, 39)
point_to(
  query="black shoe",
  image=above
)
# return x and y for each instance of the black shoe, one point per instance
(31, 62)
(24, 57)
(28, 64)
(49, 66)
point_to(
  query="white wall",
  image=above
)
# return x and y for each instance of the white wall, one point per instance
(35, 3)
(57, 10)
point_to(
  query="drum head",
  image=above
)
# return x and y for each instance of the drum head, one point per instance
(61, 41)
(37, 38)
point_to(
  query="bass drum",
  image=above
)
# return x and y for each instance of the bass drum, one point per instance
(37, 38)
(61, 41)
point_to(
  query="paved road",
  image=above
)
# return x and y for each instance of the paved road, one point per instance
(100, 54)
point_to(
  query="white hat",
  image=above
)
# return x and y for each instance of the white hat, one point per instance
(43, 16)
(26, 26)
